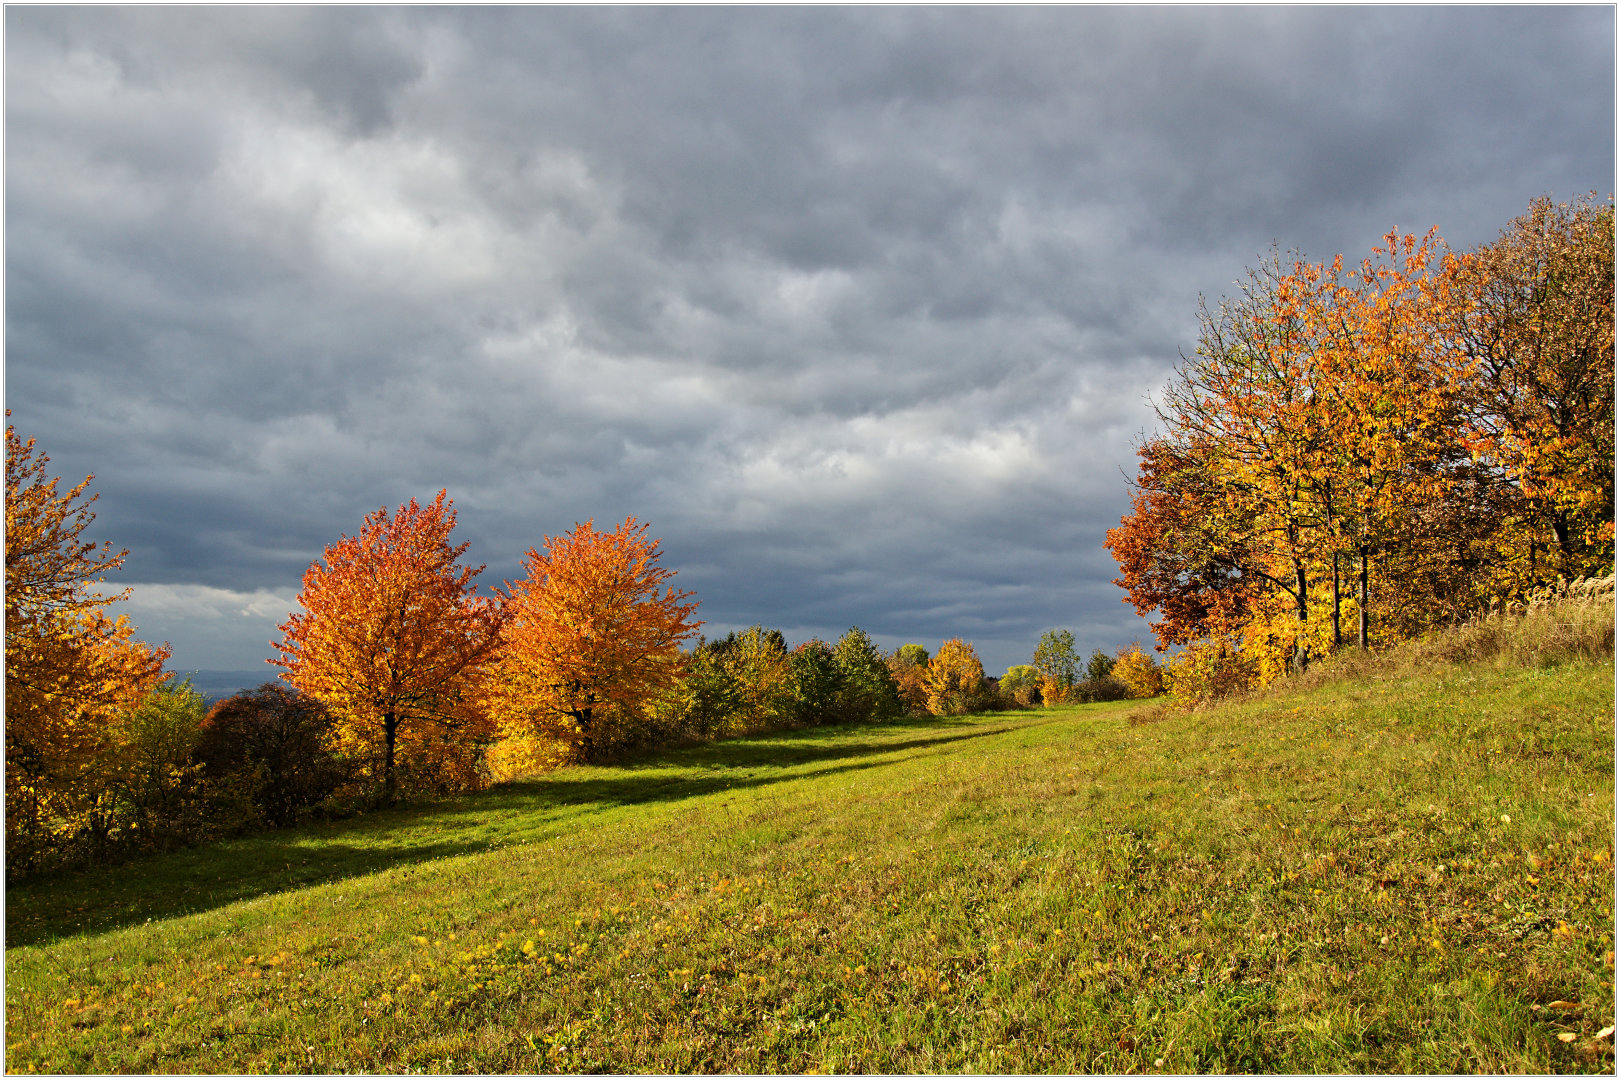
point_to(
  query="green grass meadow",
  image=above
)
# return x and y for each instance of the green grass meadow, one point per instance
(1406, 873)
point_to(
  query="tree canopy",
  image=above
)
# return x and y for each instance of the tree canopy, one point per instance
(394, 641)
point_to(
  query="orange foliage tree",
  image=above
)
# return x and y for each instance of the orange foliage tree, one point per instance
(1241, 420)
(1388, 379)
(71, 671)
(393, 640)
(1182, 551)
(908, 665)
(593, 637)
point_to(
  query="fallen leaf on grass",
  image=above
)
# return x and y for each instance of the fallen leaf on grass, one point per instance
(1565, 1005)
(1607, 1032)
(1566, 1036)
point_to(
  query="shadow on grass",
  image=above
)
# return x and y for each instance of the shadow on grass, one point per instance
(736, 766)
(159, 887)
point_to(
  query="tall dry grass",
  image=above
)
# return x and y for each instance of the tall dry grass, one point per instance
(1566, 621)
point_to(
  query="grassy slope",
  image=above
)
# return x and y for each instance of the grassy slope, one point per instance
(1387, 875)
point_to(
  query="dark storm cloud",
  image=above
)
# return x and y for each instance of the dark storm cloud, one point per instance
(859, 307)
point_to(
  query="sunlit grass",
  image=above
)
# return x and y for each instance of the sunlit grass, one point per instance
(1395, 875)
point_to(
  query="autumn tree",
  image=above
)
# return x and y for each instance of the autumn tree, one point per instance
(1057, 665)
(1387, 380)
(953, 678)
(908, 666)
(1023, 683)
(593, 634)
(1245, 408)
(70, 669)
(1226, 527)
(1143, 678)
(1539, 329)
(394, 641)
(1439, 427)
(1314, 427)
(1183, 550)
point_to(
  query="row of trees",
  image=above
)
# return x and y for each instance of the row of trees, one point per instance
(415, 665)
(582, 658)
(397, 676)
(1364, 452)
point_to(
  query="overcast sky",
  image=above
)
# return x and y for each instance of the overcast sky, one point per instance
(859, 308)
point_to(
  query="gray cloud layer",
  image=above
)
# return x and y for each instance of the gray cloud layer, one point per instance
(859, 307)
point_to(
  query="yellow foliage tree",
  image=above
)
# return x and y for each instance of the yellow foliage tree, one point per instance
(952, 678)
(1136, 669)
(70, 670)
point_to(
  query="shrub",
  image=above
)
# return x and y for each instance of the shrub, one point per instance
(757, 659)
(733, 685)
(141, 791)
(273, 743)
(524, 753)
(708, 701)
(1210, 669)
(160, 800)
(1106, 688)
(991, 697)
(1022, 684)
(1138, 671)
(452, 759)
(717, 701)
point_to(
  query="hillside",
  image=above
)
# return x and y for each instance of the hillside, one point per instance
(1385, 874)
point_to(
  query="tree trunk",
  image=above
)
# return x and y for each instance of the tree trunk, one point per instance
(1338, 637)
(390, 729)
(1560, 524)
(1338, 599)
(1361, 599)
(1300, 585)
(587, 742)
